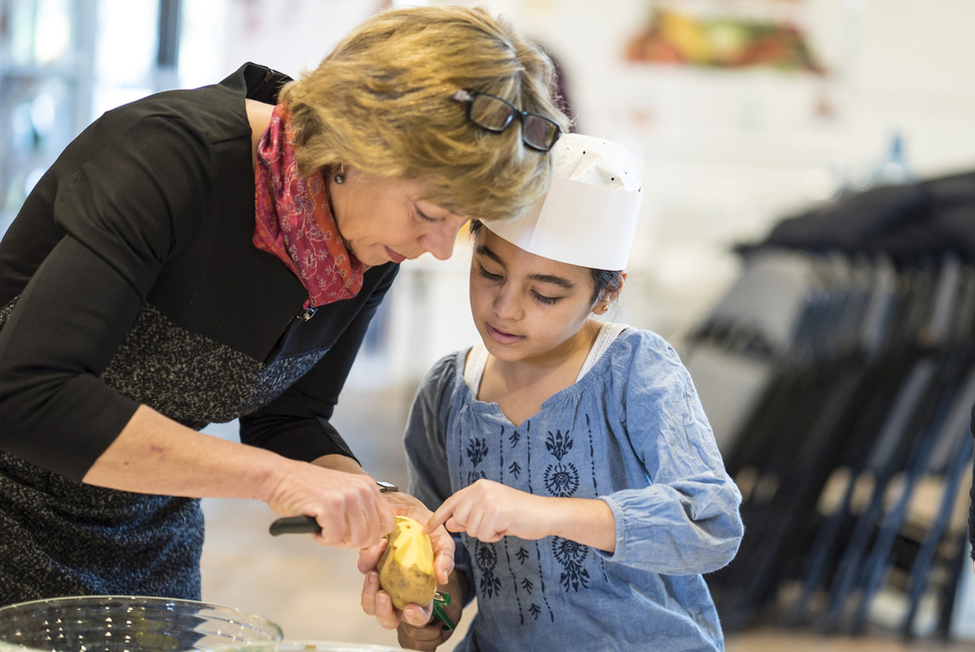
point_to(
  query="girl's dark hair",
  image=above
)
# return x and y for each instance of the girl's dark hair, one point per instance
(602, 279)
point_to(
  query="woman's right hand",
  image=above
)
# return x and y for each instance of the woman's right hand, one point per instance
(348, 506)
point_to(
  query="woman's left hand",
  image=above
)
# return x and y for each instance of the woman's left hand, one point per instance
(377, 602)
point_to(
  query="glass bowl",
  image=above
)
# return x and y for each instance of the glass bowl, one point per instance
(128, 624)
(306, 646)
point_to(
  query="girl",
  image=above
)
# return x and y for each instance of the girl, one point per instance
(571, 458)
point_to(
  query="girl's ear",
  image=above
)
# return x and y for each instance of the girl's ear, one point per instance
(608, 296)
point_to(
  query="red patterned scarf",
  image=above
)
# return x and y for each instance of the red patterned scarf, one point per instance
(294, 220)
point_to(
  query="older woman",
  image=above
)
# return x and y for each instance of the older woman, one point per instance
(211, 254)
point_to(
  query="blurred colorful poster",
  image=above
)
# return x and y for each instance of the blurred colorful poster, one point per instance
(721, 42)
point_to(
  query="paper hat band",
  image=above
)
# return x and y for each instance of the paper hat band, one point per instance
(588, 217)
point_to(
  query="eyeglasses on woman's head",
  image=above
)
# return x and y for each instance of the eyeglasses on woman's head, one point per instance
(495, 115)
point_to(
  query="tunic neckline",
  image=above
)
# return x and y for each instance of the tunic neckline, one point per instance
(608, 331)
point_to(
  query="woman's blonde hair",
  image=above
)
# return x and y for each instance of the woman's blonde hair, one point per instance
(381, 102)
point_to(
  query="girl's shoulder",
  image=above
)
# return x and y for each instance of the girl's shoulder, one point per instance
(446, 376)
(640, 359)
(643, 347)
(447, 368)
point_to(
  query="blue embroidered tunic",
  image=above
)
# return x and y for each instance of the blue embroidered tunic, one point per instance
(630, 432)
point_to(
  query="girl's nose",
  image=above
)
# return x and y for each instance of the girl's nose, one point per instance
(506, 304)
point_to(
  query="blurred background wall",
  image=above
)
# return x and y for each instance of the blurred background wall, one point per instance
(741, 113)
(727, 150)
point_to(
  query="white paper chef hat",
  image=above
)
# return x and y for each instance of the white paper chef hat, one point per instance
(588, 217)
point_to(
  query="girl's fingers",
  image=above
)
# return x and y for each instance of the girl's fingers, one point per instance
(444, 512)
(452, 526)
(473, 522)
(462, 514)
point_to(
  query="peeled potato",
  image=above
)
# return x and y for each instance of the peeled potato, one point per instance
(406, 568)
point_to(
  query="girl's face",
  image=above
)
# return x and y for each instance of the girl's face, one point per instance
(383, 220)
(525, 307)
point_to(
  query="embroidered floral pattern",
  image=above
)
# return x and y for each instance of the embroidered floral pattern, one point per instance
(592, 457)
(514, 469)
(477, 450)
(571, 555)
(562, 480)
(558, 444)
(514, 439)
(514, 578)
(486, 559)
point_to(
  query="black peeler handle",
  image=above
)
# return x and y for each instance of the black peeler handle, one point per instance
(295, 525)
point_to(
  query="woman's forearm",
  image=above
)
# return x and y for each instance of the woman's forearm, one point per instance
(156, 455)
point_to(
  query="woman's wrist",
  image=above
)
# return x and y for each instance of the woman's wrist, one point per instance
(338, 462)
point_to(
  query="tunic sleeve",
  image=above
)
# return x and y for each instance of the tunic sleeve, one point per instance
(120, 214)
(686, 521)
(426, 447)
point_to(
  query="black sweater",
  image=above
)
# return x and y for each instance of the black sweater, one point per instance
(129, 277)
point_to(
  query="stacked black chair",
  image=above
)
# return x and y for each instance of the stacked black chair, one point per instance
(868, 338)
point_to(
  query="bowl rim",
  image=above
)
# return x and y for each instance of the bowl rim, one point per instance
(68, 599)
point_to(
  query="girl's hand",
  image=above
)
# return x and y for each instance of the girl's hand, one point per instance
(488, 510)
(431, 634)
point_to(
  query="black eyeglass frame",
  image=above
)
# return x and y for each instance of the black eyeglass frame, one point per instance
(468, 97)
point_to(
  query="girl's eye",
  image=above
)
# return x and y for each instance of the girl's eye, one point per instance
(424, 216)
(486, 274)
(548, 301)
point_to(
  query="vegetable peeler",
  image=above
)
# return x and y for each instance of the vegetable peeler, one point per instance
(441, 600)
